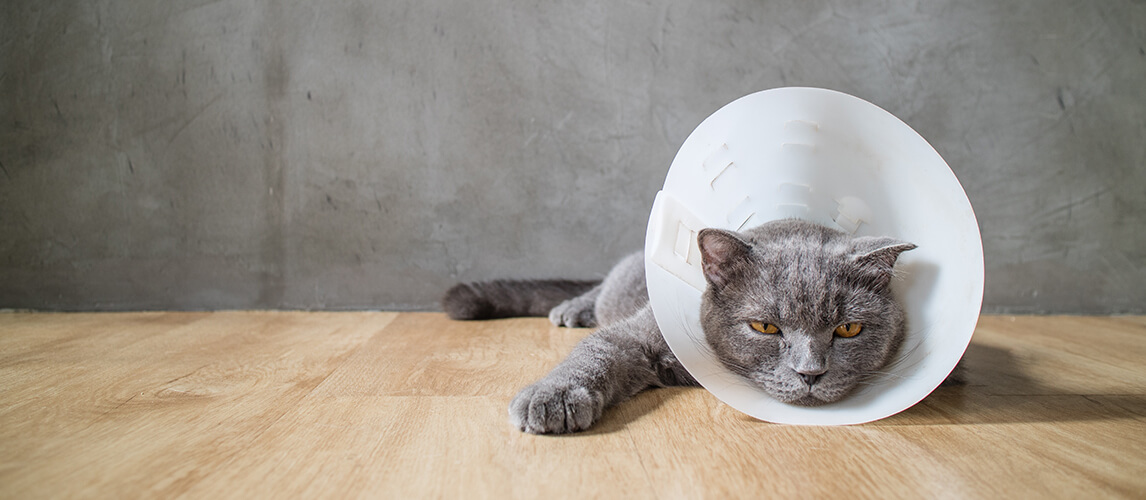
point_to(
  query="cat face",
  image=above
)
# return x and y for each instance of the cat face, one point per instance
(803, 311)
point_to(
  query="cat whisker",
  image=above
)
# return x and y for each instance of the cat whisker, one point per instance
(878, 378)
(898, 362)
(706, 350)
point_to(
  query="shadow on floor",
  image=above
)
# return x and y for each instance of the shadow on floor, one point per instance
(627, 412)
(998, 390)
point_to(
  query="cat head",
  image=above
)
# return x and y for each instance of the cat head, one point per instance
(801, 310)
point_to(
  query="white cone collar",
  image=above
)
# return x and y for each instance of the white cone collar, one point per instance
(843, 162)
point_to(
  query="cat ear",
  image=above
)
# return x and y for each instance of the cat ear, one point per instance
(874, 258)
(722, 255)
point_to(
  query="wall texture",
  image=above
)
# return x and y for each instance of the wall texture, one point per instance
(354, 154)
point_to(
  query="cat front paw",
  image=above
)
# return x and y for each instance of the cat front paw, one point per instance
(574, 313)
(555, 408)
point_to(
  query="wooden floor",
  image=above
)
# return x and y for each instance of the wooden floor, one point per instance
(388, 405)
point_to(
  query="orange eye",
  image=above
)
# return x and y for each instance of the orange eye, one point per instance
(849, 330)
(763, 327)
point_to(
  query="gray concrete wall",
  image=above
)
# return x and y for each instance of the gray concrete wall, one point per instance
(366, 154)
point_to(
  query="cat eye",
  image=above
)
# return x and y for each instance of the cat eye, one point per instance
(848, 330)
(763, 327)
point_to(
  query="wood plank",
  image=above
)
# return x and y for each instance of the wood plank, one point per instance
(420, 411)
(1055, 354)
(338, 405)
(150, 416)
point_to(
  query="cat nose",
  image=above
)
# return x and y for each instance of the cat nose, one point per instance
(810, 378)
(811, 372)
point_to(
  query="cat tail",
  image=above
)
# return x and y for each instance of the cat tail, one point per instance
(510, 298)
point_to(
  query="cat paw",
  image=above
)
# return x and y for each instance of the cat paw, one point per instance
(574, 313)
(545, 408)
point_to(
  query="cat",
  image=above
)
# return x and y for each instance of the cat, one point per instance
(801, 310)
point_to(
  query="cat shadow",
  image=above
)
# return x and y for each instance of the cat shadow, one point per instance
(618, 417)
(997, 390)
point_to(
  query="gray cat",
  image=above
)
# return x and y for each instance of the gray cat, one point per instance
(803, 311)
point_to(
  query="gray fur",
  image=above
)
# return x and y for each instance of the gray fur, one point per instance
(804, 278)
(623, 357)
(507, 299)
(807, 280)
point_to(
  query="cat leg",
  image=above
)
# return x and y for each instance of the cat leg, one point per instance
(578, 311)
(620, 295)
(607, 367)
(510, 298)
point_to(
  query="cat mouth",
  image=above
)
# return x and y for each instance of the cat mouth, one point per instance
(809, 400)
(798, 398)
(802, 394)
